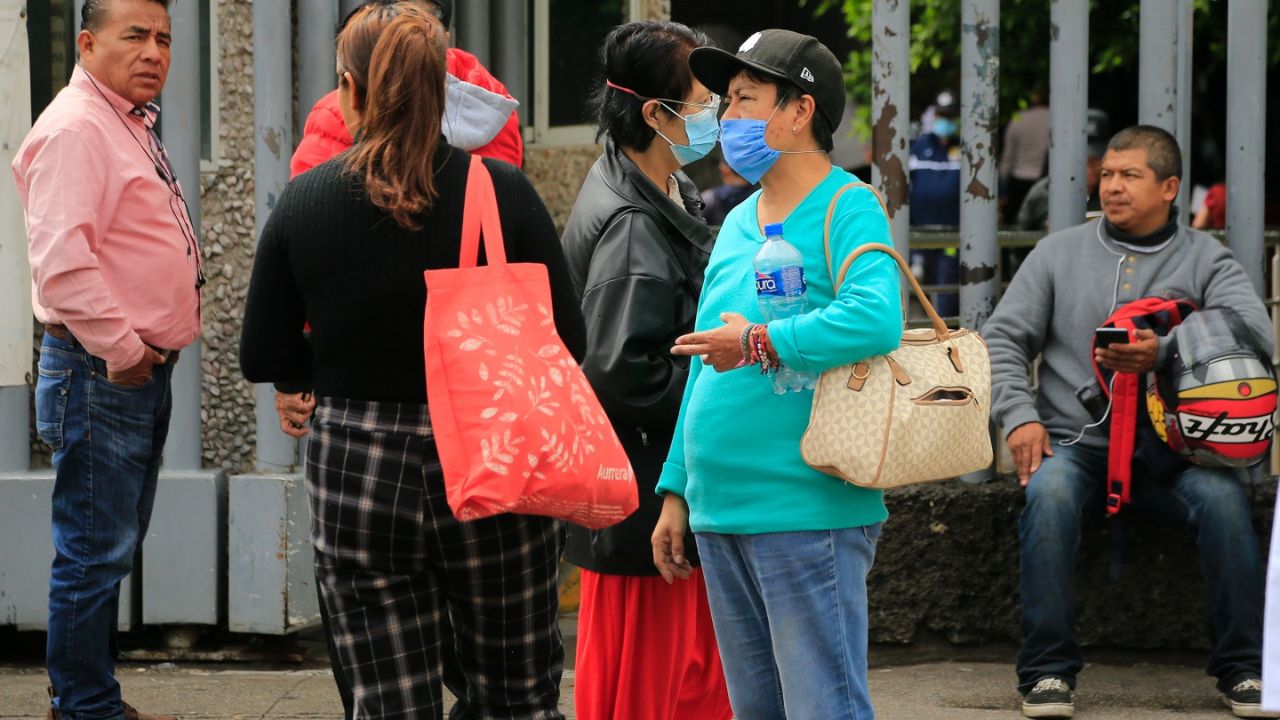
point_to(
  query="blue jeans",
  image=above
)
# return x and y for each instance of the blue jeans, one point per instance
(1211, 504)
(106, 442)
(790, 614)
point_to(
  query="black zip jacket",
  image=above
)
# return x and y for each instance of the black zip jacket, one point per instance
(636, 259)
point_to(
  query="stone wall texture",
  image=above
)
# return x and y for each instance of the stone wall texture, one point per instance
(228, 240)
(947, 565)
(557, 174)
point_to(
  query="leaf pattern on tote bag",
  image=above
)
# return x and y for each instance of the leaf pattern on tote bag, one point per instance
(571, 433)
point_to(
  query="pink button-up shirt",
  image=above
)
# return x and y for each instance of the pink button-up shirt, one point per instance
(113, 254)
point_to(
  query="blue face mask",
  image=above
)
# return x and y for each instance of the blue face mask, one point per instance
(703, 131)
(944, 127)
(745, 148)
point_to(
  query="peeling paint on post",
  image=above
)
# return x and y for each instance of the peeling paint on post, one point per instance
(890, 107)
(980, 119)
(1068, 108)
(980, 122)
(1246, 133)
(273, 141)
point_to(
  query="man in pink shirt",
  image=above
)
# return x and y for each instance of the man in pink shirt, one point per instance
(115, 268)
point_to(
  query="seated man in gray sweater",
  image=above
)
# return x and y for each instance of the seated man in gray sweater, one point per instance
(1070, 283)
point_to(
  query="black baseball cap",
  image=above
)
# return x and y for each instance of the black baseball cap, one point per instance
(798, 59)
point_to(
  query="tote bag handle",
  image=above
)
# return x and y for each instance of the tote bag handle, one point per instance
(480, 214)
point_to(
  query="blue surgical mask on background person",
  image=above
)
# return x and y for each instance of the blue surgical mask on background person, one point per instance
(745, 147)
(944, 127)
(703, 131)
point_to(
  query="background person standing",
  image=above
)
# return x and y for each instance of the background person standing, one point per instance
(115, 269)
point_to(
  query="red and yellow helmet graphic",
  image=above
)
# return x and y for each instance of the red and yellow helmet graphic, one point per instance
(1221, 415)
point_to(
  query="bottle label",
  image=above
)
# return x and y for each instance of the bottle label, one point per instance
(784, 282)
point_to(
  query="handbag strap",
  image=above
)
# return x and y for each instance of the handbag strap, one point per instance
(939, 326)
(480, 215)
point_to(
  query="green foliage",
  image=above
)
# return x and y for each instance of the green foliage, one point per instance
(1024, 42)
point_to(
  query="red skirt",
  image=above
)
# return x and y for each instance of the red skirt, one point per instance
(647, 651)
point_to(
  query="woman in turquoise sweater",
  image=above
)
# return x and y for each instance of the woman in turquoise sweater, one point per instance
(785, 549)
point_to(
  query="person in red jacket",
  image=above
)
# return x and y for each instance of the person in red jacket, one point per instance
(479, 114)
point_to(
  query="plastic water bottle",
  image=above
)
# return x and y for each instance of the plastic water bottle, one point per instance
(780, 292)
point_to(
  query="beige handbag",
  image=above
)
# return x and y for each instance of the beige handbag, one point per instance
(918, 414)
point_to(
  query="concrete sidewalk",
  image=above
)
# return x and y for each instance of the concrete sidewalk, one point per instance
(925, 691)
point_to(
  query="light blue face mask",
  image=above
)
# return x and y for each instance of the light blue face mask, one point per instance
(944, 127)
(703, 131)
(747, 151)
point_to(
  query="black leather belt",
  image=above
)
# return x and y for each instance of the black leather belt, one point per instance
(62, 333)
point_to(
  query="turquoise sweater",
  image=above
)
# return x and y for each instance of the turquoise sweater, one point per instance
(735, 457)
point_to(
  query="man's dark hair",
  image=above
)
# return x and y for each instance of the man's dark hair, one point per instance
(650, 58)
(788, 91)
(94, 13)
(1163, 155)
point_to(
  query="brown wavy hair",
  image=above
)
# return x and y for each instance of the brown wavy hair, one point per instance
(396, 57)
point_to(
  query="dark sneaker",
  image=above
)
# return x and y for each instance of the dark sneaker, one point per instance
(1245, 699)
(1050, 698)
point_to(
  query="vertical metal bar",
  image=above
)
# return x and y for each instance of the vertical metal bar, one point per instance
(15, 276)
(890, 113)
(317, 20)
(180, 131)
(1068, 106)
(317, 57)
(1246, 132)
(1158, 64)
(273, 141)
(511, 47)
(1185, 55)
(540, 113)
(79, 6)
(980, 121)
(472, 21)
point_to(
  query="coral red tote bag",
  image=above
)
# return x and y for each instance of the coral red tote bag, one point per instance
(518, 428)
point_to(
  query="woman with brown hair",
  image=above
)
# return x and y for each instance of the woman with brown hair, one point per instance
(344, 250)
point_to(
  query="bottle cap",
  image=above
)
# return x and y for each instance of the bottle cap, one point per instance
(772, 229)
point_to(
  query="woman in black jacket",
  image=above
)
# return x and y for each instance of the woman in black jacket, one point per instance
(637, 248)
(345, 249)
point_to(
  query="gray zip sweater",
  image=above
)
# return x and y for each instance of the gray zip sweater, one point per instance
(1065, 290)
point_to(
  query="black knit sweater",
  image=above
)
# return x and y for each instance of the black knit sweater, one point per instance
(329, 258)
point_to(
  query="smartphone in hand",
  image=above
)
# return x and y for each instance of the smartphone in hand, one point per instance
(1104, 337)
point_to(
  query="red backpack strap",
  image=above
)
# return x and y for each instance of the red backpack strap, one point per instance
(1156, 313)
(1124, 389)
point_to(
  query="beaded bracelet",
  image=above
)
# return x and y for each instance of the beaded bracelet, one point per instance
(759, 339)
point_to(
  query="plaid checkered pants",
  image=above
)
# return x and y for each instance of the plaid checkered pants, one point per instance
(397, 571)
